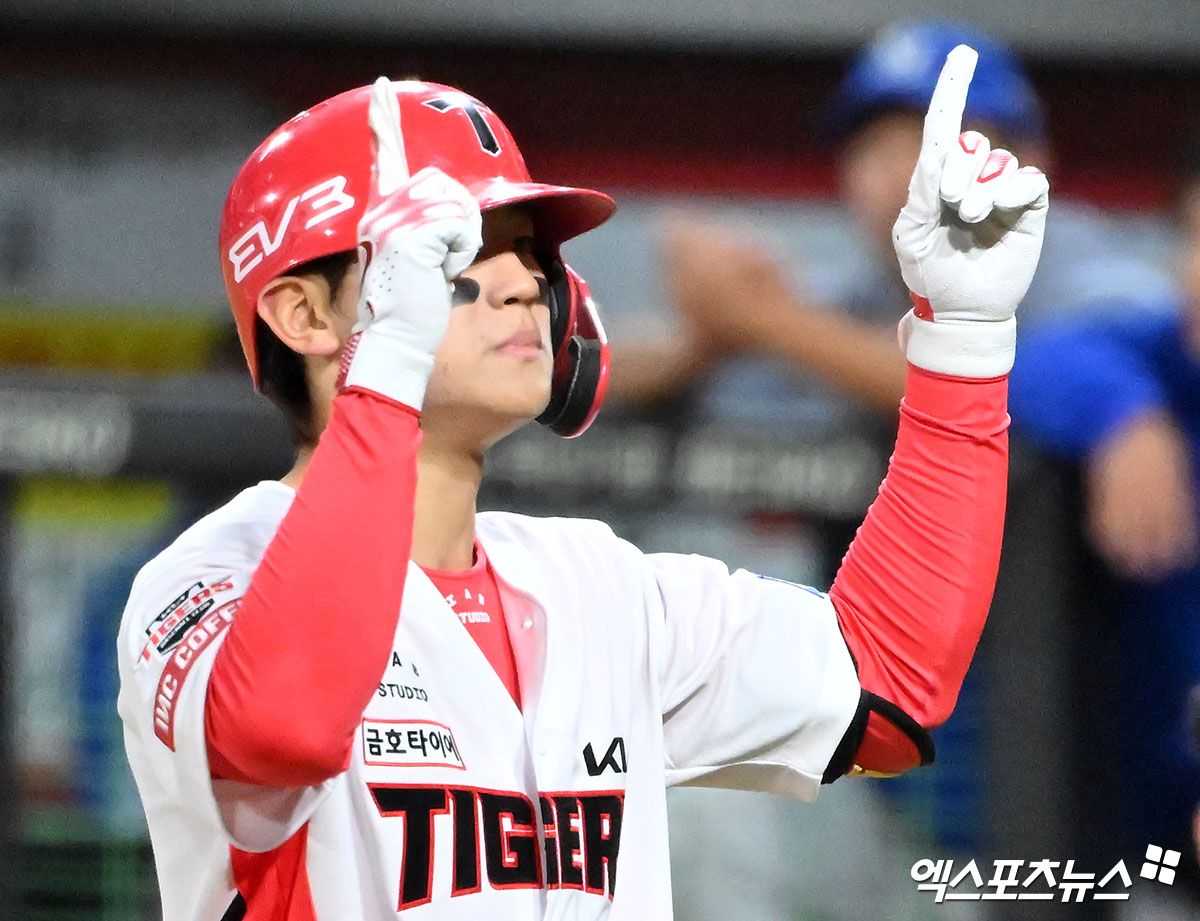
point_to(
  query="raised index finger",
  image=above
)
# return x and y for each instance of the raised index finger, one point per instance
(383, 116)
(943, 121)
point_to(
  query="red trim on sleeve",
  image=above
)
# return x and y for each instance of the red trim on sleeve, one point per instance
(885, 749)
(314, 631)
(913, 591)
(275, 883)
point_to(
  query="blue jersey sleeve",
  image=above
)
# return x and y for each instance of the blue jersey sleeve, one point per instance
(1076, 382)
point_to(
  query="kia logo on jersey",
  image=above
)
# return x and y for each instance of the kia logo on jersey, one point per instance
(613, 758)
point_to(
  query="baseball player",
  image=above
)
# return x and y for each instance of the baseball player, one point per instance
(347, 695)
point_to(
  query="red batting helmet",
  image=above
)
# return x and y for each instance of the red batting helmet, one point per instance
(300, 195)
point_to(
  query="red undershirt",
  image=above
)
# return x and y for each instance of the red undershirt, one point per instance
(474, 597)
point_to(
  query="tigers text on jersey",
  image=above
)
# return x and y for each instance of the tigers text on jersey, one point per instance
(636, 672)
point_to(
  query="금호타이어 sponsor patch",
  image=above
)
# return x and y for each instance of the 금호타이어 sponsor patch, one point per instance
(410, 743)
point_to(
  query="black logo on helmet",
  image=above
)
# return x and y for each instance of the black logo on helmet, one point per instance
(483, 131)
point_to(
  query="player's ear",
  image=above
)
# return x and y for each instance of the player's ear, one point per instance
(298, 310)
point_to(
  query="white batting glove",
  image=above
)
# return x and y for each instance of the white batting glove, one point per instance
(417, 234)
(968, 239)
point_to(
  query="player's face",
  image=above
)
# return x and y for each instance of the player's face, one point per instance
(876, 166)
(492, 372)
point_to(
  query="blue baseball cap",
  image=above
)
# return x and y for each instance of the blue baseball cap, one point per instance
(900, 67)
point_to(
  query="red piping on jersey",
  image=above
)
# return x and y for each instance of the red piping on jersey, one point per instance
(314, 632)
(274, 883)
(914, 589)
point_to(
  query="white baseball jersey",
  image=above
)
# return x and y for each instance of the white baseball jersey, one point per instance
(637, 671)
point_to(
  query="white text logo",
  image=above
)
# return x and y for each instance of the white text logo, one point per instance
(323, 201)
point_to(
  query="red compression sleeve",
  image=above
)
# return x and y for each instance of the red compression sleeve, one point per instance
(314, 631)
(913, 591)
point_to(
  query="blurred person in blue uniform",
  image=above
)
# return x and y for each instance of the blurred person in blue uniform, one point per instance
(753, 343)
(1126, 407)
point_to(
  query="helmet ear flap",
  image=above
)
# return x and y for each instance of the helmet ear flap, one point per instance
(581, 357)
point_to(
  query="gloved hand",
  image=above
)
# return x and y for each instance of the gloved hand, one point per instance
(968, 239)
(416, 235)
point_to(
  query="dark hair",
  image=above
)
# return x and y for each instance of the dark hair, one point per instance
(281, 373)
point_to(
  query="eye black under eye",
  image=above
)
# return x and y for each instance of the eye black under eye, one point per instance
(464, 291)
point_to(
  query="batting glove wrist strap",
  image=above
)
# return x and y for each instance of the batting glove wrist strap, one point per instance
(382, 364)
(962, 348)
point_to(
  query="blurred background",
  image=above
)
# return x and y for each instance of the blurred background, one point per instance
(737, 148)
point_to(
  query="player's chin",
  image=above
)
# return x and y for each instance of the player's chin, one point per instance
(520, 381)
(520, 400)
(503, 413)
